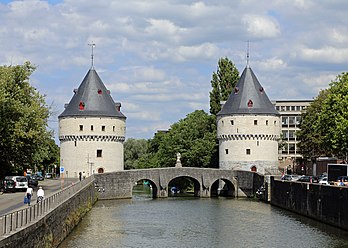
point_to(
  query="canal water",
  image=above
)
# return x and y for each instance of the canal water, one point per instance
(202, 223)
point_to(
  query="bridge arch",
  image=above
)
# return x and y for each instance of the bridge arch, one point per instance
(196, 184)
(152, 185)
(222, 187)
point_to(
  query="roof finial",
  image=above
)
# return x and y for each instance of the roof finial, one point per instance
(247, 57)
(92, 55)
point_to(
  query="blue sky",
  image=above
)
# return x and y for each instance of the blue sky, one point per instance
(157, 57)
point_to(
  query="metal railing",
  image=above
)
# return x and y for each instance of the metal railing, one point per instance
(21, 218)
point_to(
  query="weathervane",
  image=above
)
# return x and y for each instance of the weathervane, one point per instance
(92, 56)
(247, 54)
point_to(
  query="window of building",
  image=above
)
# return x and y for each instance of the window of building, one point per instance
(266, 122)
(232, 122)
(250, 103)
(226, 151)
(293, 108)
(81, 127)
(99, 153)
(287, 108)
(255, 122)
(222, 123)
(282, 108)
(248, 151)
(91, 127)
(75, 143)
(257, 143)
(277, 108)
(103, 128)
(285, 134)
(298, 108)
(113, 128)
(284, 120)
(292, 120)
(298, 120)
(291, 134)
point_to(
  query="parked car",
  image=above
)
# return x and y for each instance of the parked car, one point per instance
(343, 179)
(21, 182)
(308, 179)
(37, 177)
(324, 181)
(7, 185)
(32, 182)
(290, 177)
(49, 175)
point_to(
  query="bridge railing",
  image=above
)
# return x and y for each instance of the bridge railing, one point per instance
(21, 218)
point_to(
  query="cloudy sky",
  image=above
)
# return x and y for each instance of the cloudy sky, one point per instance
(157, 57)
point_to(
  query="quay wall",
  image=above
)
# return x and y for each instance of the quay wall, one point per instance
(54, 226)
(324, 203)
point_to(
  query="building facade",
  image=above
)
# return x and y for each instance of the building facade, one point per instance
(91, 131)
(248, 128)
(290, 114)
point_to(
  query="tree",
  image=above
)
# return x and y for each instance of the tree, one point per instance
(23, 120)
(324, 127)
(223, 81)
(134, 149)
(193, 137)
(311, 142)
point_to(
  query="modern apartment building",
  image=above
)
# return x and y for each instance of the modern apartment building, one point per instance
(290, 112)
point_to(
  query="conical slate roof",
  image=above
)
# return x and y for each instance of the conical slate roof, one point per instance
(92, 99)
(248, 97)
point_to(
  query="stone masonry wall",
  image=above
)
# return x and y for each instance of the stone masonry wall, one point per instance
(327, 204)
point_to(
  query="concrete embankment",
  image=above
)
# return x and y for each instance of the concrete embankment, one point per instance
(327, 204)
(50, 228)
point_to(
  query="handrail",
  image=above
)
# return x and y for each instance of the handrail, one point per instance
(21, 218)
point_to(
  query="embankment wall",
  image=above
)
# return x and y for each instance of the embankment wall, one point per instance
(328, 204)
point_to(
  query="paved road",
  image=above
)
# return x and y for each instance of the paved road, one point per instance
(14, 201)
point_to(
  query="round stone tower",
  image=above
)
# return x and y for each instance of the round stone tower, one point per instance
(248, 128)
(91, 130)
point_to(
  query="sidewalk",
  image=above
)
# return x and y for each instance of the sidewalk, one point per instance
(15, 201)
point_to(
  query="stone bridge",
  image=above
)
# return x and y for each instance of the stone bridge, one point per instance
(206, 182)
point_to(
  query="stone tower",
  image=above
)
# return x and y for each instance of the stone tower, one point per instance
(248, 128)
(91, 130)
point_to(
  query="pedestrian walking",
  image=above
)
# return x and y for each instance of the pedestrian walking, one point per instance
(40, 194)
(29, 194)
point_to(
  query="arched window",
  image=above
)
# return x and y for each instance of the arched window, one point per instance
(253, 168)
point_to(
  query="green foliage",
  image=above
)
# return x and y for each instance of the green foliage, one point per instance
(193, 137)
(324, 127)
(223, 81)
(23, 120)
(134, 149)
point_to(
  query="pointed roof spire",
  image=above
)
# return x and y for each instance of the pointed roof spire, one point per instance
(248, 97)
(92, 99)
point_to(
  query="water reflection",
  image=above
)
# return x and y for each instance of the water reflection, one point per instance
(195, 222)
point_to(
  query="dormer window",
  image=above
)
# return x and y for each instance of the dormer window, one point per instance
(250, 103)
(82, 106)
(261, 90)
(236, 90)
(100, 91)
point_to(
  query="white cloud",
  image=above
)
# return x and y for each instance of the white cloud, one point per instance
(272, 64)
(326, 54)
(261, 26)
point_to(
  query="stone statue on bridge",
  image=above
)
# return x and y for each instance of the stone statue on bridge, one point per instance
(178, 161)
